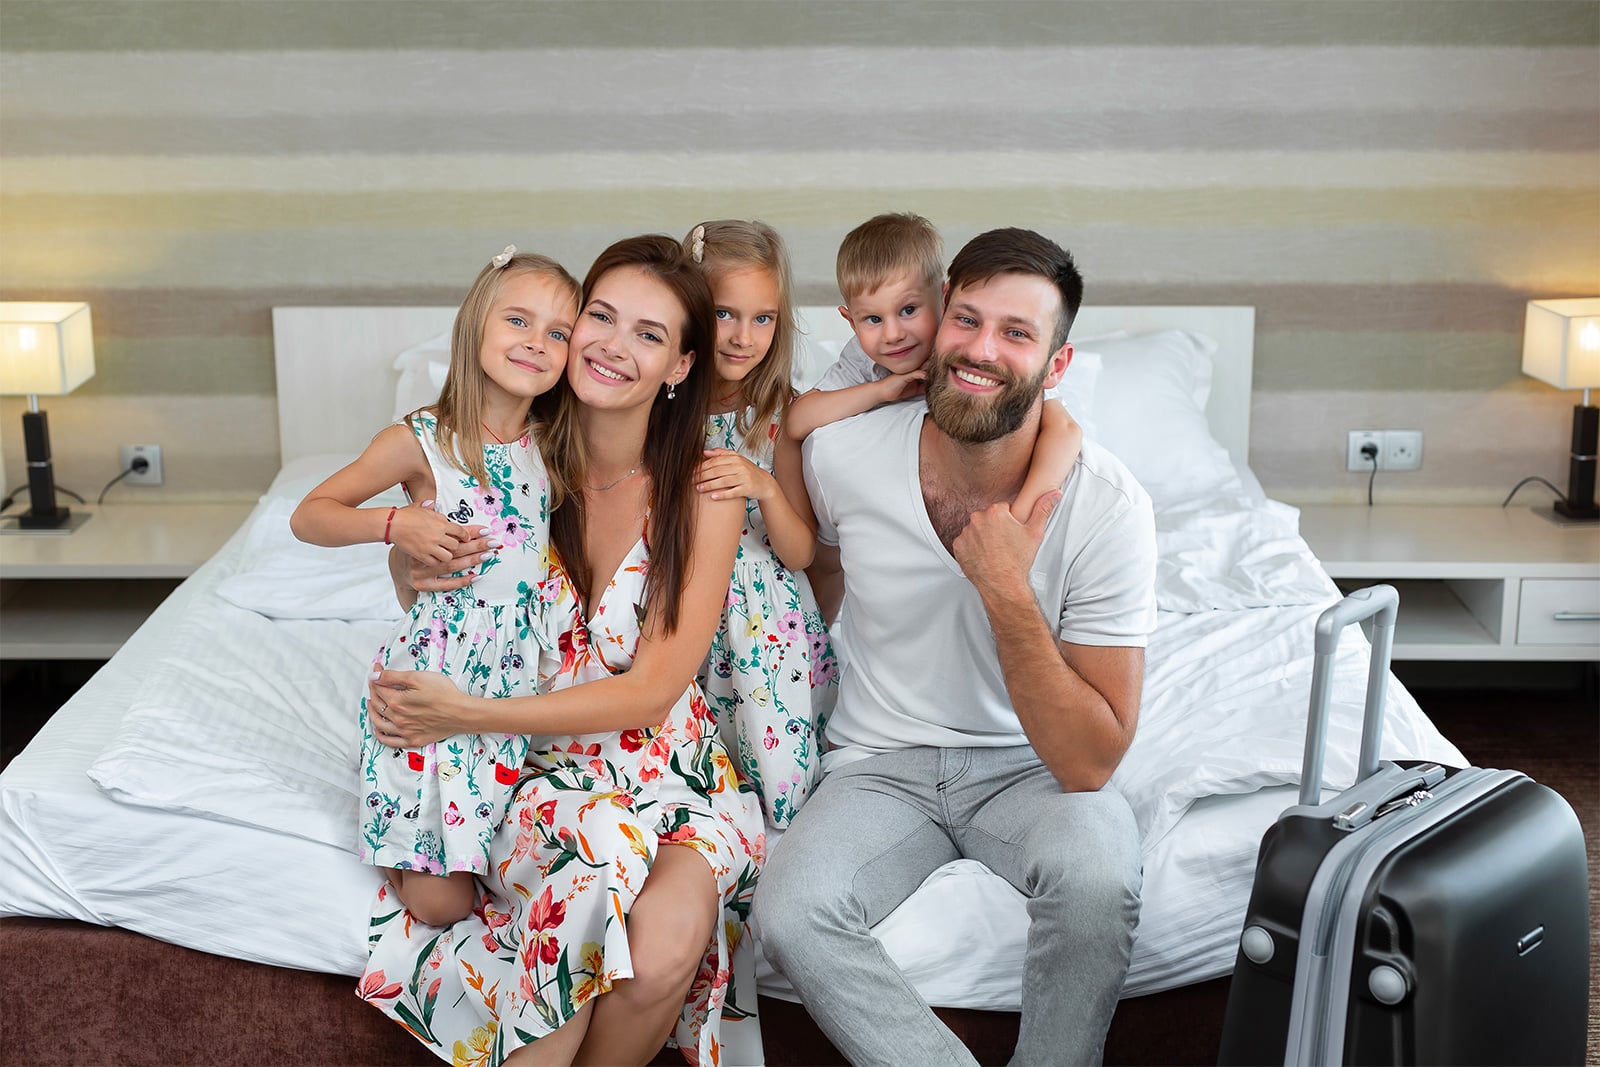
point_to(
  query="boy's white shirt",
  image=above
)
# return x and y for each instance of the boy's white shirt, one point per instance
(855, 367)
(920, 664)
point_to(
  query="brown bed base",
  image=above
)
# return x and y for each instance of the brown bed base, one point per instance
(72, 993)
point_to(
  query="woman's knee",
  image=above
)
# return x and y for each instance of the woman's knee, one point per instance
(671, 924)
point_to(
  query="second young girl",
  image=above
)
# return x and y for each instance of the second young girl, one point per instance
(771, 677)
(473, 459)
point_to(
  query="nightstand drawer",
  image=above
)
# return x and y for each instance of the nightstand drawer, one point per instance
(1559, 611)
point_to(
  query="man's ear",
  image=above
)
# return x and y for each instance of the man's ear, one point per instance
(1060, 359)
(844, 313)
(944, 296)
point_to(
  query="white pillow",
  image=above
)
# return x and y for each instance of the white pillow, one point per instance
(285, 578)
(1149, 409)
(423, 369)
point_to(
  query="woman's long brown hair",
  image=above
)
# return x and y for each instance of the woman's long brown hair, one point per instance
(673, 441)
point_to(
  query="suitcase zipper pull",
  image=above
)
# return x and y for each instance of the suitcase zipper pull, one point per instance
(1409, 801)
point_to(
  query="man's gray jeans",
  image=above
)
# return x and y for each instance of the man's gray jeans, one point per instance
(877, 827)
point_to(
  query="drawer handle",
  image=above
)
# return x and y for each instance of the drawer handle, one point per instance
(1576, 616)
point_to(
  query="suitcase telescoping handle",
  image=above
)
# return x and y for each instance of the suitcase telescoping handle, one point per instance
(1383, 602)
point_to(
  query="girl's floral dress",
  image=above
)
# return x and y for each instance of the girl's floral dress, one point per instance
(549, 932)
(771, 677)
(437, 808)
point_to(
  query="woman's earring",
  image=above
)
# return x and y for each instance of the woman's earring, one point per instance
(672, 390)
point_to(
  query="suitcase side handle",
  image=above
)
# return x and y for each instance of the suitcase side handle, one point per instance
(1381, 603)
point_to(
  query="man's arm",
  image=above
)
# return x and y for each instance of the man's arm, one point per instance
(1078, 704)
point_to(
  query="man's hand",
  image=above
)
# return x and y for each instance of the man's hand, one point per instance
(996, 551)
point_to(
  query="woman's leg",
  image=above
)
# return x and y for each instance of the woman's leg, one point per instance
(669, 927)
(557, 1048)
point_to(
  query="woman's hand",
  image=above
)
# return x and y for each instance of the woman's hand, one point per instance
(724, 473)
(409, 709)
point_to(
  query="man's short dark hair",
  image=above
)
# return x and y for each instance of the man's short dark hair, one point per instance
(1018, 251)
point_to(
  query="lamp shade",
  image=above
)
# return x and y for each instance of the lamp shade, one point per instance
(46, 349)
(1561, 342)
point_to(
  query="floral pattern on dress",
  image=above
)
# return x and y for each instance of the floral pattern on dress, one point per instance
(549, 930)
(437, 808)
(771, 677)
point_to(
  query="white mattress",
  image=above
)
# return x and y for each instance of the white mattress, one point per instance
(1222, 696)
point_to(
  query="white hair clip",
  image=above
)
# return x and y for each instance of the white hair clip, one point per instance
(504, 257)
(697, 243)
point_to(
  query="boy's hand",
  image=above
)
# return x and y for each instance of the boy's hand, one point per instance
(725, 473)
(426, 536)
(898, 387)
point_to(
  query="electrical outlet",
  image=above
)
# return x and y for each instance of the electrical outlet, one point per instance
(1402, 450)
(151, 454)
(1353, 459)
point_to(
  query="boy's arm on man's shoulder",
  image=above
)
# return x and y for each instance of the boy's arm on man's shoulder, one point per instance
(820, 408)
(1055, 450)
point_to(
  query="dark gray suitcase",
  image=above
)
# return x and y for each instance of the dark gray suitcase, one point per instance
(1424, 915)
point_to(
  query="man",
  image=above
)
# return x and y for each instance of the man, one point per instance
(992, 681)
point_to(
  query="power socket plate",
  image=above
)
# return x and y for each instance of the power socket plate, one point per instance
(1353, 459)
(152, 455)
(1402, 450)
(1398, 450)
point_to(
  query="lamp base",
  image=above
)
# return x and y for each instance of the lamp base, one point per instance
(12, 524)
(1576, 514)
(32, 520)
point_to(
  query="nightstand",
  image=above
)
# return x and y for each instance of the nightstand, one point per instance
(81, 595)
(1476, 583)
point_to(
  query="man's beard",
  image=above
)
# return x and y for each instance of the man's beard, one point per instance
(978, 420)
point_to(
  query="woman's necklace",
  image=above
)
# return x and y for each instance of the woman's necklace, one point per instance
(610, 485)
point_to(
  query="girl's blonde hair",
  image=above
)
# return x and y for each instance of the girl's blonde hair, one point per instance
(460, 405)
(726, 245)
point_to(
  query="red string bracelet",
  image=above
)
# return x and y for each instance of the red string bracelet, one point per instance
(388, 523)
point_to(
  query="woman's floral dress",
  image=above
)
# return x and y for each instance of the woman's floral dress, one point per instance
(549, 932)
(771, 677)
(436, 808)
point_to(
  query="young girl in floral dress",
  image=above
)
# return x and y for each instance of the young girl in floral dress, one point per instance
(771, 678)
(431, 811)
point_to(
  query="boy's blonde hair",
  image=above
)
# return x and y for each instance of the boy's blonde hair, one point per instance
(887, 245)
(725, 245)
(460, 405)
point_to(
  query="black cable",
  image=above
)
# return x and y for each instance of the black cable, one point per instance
(1370, 450)
(117, 479)
(1533, 478)
(11, 495)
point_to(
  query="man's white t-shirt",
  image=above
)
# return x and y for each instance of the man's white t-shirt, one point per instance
(920, 664)
(855, 367)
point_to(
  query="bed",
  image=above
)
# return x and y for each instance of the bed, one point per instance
(197, 791)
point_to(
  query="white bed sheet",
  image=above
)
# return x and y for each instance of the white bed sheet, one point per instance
(299, 900)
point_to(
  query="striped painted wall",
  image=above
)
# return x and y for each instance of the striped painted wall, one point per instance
(1387, 183)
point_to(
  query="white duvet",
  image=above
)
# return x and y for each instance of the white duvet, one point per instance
(228, 784)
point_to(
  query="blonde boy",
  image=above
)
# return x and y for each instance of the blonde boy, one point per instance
(891, 274)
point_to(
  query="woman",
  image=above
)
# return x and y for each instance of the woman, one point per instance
(630, 836)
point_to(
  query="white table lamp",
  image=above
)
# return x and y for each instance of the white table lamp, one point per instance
(46, 349)
(1561, 345)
